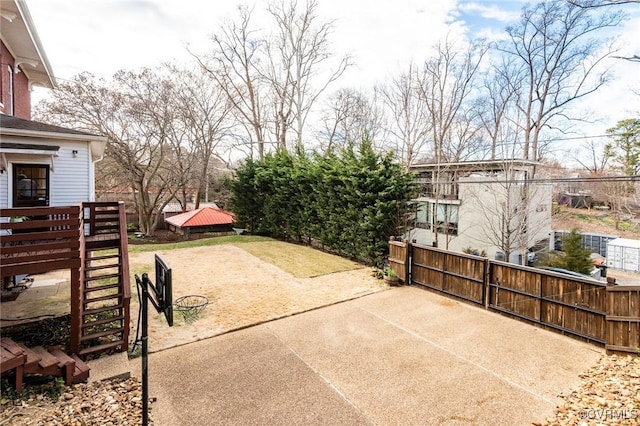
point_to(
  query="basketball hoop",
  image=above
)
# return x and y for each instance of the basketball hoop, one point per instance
(160, 296)
(191, 306)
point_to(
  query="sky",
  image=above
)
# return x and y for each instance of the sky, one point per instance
(103, 36)
(383, 36)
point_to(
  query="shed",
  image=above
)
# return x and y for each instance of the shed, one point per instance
(174, 209)
(205, 219)
(623, 253)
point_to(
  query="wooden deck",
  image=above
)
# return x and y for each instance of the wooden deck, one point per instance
(89, 240)
(18, 361)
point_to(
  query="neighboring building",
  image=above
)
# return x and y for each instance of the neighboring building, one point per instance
(205, 219)
(624, 253)
(484, 206)
(174, 209)
(40, 164)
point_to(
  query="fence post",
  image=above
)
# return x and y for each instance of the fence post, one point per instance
(609, 339)
(407, 262)
(77, 288)
(486, 289)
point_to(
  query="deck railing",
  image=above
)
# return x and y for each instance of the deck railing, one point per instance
(36, 240)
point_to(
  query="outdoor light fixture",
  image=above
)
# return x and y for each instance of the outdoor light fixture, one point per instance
(75, 153)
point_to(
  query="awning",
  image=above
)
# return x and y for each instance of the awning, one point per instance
(49, 151)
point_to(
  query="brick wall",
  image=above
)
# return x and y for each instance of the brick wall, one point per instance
(21, 94)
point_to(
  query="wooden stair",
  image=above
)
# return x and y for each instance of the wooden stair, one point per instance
(22, 361)
(104, 305)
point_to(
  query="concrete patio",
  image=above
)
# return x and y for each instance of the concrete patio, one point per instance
(403, 356)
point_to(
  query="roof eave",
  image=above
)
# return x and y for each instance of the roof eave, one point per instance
(476, 164)
(31, 28)
(4, 131)
(20, 36)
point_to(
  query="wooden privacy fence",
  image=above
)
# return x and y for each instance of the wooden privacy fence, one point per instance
(603, 313)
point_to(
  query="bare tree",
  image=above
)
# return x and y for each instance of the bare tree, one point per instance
(151, 95)
(158, 132)
(203, 110)
(446, 84)
(447, 81)
(411, 124)
(496, 108)
(559, 63)
(591, 157)
(585, 4)
(465, 140)
(273, 77)
(350, 116)
(298, 50)
(111, 110)
(234, 64)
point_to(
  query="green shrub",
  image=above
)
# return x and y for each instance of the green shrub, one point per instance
(349, 203)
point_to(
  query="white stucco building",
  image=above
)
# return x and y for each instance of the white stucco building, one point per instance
(492, 207)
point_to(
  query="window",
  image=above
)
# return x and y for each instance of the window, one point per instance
(10, 107)
(30, 185)
(423, 216)
(443, 216)
(446, 218)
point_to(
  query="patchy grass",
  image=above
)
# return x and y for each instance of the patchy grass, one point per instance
(299, 261)
(594, 221)
(213, 241)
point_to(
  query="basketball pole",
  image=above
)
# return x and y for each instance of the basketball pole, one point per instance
(145, 351)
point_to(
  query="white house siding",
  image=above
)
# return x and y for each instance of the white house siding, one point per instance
(71, 177)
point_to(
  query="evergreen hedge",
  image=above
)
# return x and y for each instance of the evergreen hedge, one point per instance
(350, 203)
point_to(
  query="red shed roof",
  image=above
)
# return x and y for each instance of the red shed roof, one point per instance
(205, 216)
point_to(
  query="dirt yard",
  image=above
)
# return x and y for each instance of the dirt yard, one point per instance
(242, 290)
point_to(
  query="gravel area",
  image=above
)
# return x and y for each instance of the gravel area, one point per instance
(107, 403)
(609, 395)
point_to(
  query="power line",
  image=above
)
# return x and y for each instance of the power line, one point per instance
(632, 178)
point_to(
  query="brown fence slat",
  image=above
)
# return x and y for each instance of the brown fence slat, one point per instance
(39, 267)
(580, 307)
(623, 322)
(34, 258)
(25, 238)
(39, 211)
(37, 247)
(397, 258)
(40, 223)
(456, 274)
